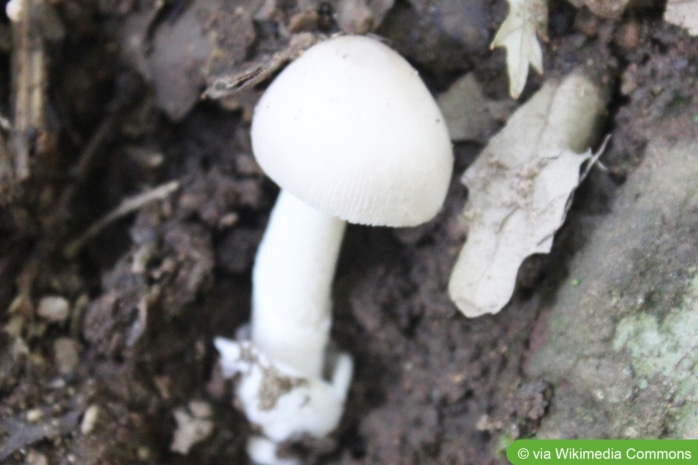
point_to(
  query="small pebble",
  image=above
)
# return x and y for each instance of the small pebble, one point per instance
(89, 419)
(34, 415)
(191, 428)
(54, 308)
(144, 454)
(35, 458)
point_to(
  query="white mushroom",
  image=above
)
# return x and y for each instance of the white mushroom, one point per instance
(350, 133)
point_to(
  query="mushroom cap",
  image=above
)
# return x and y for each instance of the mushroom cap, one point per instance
(351, 129)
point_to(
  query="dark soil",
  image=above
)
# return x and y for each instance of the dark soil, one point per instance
(148, 294)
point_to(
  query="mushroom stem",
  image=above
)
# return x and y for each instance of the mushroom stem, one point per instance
(292, 283)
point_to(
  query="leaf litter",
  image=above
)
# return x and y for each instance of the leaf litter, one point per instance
(519, 35)
(520, 187)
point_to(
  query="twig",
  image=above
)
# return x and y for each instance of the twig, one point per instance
(29, 86)
(126, 207)
(228, 85)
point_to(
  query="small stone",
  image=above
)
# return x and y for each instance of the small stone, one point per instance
(191, 428)
(54, 308)
(143, 453)
(35, 458)
(34, 415)
(89, 420)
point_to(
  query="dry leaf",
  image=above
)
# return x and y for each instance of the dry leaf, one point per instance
(519, 190)
(683, 13)
(517, 34)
